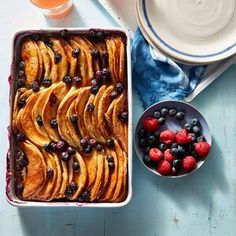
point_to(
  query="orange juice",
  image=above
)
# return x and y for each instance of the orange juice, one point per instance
(54, 8)
(48, 3)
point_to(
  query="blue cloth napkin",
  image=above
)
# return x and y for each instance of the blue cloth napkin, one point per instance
(156, 77)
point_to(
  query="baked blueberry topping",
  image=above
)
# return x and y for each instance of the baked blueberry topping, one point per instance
(76, 167)
(110, 159)
(53, 146)
(49, 173)
(39, 120)
(123, 117)
(22, 161)
(65, 156)
(73, 186)
(20, 82)
(119, 88)
(35, 86)
(114, 95)
(73, 118)
(111, 166)
(68, 192)
(71, 151)
(54, 123)
(61, 145)
(94, 89)
(47, 147)
(20, 137)
(19, 188)
(47, 82)
(106, 74)
(21, 74)
(83, 142)
(99, 147)
(57, 57)
(35, 36)
(95, 53)
(93, 142)
(77, 81)
(67, 79)
(90, 107)
(75, 52)
(110, 143)
(21, 102)
(85, 196)
(87, 149)
(21, 65)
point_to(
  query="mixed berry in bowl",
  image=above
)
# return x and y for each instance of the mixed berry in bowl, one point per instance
(172, 139)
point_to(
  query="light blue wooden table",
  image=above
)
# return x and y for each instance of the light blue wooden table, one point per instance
(202, 204)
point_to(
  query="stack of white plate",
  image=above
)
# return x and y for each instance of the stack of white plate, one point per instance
(189, 31)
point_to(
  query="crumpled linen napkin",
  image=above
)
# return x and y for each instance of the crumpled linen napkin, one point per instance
(156, 77)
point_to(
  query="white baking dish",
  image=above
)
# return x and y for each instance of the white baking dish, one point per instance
(10, 192)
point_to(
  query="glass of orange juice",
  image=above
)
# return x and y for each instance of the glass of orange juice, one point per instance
(54, 8)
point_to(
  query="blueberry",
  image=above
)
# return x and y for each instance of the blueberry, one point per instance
(119, 88)
(147, 160)
(123, 117)
(143, 142)
(164, 111)
(180, 115)
(174, 145)
(194, 121)
(75, 52)
(94, 89)
(47, 82)
(53, 146)
(68, 192)
(35, 36)
(90, 107)
(49, 173)
(21, 65)
(195, 155)
(200, 138)
(35, 86)
(76, 167)
(54, 123)
(87, 149)
(61, 145)
(57, 57)
(95, 53)
(197, 130)
(73, 118)
(21, 102)
(47, 147)
(156, 114)
(85, 196)
(177, 164)
(77, 81)
(106, 75)
(189, 148)
(188, 127)
(71, 151)
(20, 82)
(110, 143)
(156, 134)
(142, 133)
(99, 74)
(65, 156)
(94, 82)
(174, 151)
(181, 151)
(151, 140)
(67, 79)
(113, 95)
(147, 149)
(83, 142)
(99, 147)
(161, 121)
(172, 112)
(73, 186)
(39, 120)
(162, 147)
(111, 166)
(20, 137)
(93, 142)
(110, 159)
(21, 74)
(193, 136)
(19, 188)
(22, 161)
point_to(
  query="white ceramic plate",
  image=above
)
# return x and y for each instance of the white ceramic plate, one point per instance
(196, 31)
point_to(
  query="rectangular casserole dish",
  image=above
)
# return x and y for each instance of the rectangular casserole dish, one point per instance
(11, 195)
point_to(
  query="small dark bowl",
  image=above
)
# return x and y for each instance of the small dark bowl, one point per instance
(173, 124)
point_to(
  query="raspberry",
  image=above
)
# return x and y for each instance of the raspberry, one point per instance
(182, 137)
(150, 124)
(168, 156)
(189, 163)
(202, 148)
(155, 154)
(164, 167)
(167, 137)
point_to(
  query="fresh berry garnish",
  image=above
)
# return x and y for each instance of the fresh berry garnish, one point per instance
(151, 140)
(147, 149)
(162, 147)
(189, 163)
(35, 86)
(150, 124)
(174, 145)
(73, 118)
(164, 167)
(47, 82)
(21, 102)
(67, 79)
(71, 151)
(49, 173)
(155, 154)
(119, 88)
(54, 123)
(167, 137)
(19, 188)
(197, 130)
(76, 167)
(87, 149)
(65, 156)
(188, 127)
(142, 133)
(110, 143)
(180, 115)
(57, 57)
(61, 145)
(143, 142)
(202, 148)
(156, 114)
(182, 137)
(161, 121)
(194, 121)
(181, 151)
(156, 134)
(147, 160)
(174, 151)
(200, 138)
(172, 112)
(168, 156)
(75, 52)
(77, 81)
(177, 164)
(164, 111)
(193, 136)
